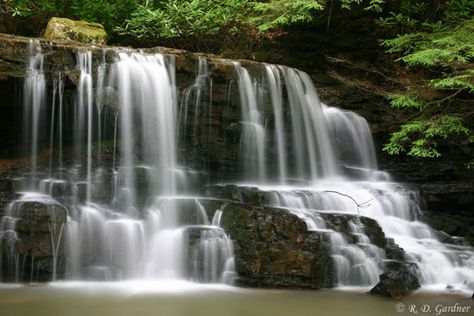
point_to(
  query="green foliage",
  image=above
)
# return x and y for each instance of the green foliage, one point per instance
(461, 81)
(443, 43)
(273, 14)
(372, 5)
(402, 44)
(106, 12)
(204, 18)
(26, 8)
(438, 48)
(421, 138)
(375, 6)
(177, 18)
(444, 49)
(269, 15)
(435, 38)
(405, 101)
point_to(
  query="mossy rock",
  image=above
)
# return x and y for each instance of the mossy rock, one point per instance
(79, 31)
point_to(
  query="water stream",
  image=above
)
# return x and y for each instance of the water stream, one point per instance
(139, 215)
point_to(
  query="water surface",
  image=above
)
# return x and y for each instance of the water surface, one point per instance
(184, 298)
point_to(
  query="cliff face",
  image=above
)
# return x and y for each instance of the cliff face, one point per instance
(60, 59)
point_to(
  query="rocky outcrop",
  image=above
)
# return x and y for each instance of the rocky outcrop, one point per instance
(445, 189)
(341, 223)
(396, 284)
(273, 248)
(32, 249)
(61, 29)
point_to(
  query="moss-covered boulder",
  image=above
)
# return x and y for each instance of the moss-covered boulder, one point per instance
(79, 31)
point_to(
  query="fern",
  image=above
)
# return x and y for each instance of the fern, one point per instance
(276, 13)
(405, 101)
(421, 138)
(432, 57)
(402, 44)
(444, 45)
(435, 49)
(460, 81)
(375, 6)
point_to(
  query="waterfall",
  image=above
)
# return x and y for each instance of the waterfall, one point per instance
(336, 172)
(130, 157)
(314, 153)
(253, 135)
(274, 83)
(34, 101)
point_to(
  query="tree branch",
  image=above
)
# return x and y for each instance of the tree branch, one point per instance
(359, 205)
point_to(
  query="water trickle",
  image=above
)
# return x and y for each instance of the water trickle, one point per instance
(84, 104)
(274, 83)
(34, 101)
(311, 144)
(253, 135)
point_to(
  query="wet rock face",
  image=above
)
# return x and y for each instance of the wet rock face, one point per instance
(341, 223)
(209, 138)
(396, 284)
(33, 249)
(273, 248)
(79, 31)
(445, 187)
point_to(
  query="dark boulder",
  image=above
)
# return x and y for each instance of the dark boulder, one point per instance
(274, 249)
(396, 284)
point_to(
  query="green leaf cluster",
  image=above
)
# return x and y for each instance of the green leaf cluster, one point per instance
(443, 44)
(463, 80)
(107, 12)
(182, 18)
(421, 138)
(443, 48)
(405, 101)
(174, 19)
(269, 15)
(26, 8)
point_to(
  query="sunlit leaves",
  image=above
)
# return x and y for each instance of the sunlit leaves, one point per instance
(421, 138)
(276, 13)
(444, 46)
(405, 101)
(403, 44)
(460, 81)
(176, 18)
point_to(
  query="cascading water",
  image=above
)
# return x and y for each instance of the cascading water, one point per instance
(333, 150)
(253, 135)
(34, 101)
(133, 208)
(143, 229)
